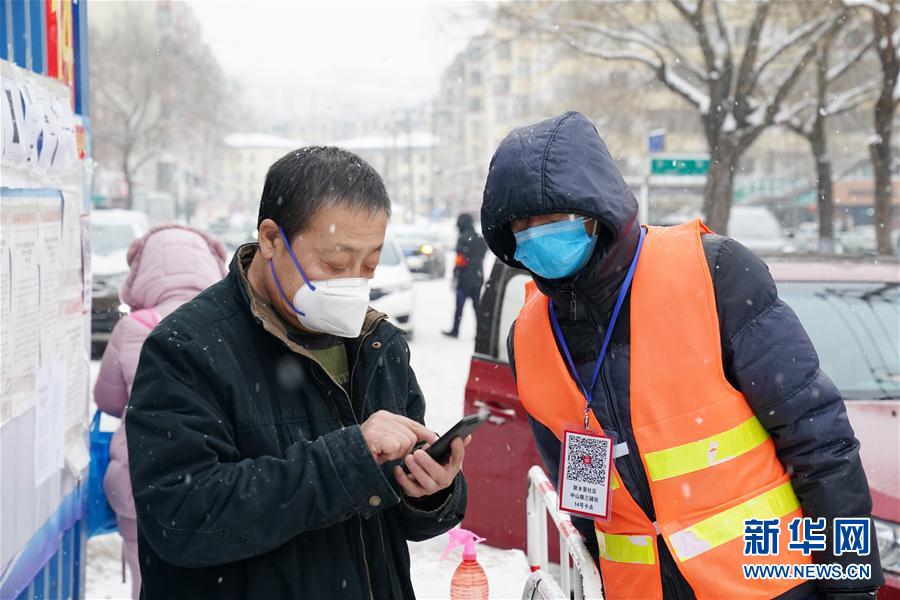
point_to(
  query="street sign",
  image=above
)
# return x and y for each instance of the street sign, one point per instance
(679, 165)
(656, 141)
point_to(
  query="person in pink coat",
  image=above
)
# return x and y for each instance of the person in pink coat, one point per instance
(169, 265)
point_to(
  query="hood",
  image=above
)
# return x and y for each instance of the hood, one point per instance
(561, 165)
(465, 223)
(171, 262)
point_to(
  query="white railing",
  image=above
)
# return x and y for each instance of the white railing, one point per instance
(542, 586)
(581, 577)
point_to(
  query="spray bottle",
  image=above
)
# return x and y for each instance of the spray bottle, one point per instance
(469, 581)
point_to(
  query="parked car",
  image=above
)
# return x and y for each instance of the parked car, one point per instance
(391, 288)
(753, 226)
(851, 310)
(112, 231)
(424, 254)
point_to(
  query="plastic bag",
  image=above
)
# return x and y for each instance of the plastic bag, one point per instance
(100, 516)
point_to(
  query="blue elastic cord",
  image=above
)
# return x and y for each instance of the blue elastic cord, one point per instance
(290, 250)
(623, 291)
(283, 295)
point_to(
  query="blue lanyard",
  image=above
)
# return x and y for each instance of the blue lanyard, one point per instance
(623, 291)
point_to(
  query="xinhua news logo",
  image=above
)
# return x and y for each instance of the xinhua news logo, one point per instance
(762, 537)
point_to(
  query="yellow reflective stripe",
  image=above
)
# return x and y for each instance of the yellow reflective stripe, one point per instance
(702, 454)
(635, 549)
(729, 524)
(615, 481)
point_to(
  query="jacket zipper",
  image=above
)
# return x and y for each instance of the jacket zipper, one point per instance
(362, 540)
(573, 307)
(629, 458)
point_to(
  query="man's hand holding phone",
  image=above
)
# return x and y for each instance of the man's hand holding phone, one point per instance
(434, 467)
(391, 437)
(427, 476)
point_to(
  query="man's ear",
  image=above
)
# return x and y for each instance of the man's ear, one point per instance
(269, 238)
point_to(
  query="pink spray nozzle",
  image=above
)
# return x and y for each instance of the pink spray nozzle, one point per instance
(465, 538)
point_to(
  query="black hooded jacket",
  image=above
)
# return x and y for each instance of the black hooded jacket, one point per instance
(561, 165)
(470, 251)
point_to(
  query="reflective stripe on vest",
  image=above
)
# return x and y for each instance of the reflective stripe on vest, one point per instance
(707, 452)
(729, 524)
(634, 549)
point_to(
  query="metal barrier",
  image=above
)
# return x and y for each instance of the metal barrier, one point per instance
(542, 586)
(581, 577)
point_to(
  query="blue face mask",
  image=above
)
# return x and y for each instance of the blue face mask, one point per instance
(555, 250)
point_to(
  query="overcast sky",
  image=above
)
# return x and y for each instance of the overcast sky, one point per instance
(312, 57)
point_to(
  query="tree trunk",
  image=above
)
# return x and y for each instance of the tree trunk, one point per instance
(880, 147)
(719, 190)
(880, 150)
(824, 186)
(129, 183)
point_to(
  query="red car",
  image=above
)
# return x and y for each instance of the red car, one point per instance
(851, 311)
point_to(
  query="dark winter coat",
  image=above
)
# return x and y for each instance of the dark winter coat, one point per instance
(250, 472)
(470, 251)
(562, 166)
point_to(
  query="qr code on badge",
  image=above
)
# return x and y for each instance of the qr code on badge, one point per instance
(587, 459)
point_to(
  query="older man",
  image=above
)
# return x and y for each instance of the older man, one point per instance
(269, 414)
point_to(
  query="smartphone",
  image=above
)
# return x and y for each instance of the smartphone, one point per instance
(440, 450)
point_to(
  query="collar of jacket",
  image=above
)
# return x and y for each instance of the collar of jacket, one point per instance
(266, 316)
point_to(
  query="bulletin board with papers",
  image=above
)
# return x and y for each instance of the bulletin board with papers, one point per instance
(45, 325)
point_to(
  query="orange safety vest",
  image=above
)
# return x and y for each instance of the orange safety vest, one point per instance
(710, 464)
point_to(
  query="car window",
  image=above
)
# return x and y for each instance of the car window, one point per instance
(389, 255)
(855, 329)
(513, 299)
(107, 239)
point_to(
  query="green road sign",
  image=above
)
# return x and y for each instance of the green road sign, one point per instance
(674, 165)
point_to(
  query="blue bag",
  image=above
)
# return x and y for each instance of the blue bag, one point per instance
(100, 516)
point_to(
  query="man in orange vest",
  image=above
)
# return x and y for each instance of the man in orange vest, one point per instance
(673, 342)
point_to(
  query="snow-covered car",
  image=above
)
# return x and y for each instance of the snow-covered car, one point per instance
(391, 288)
(758, 229)
(112, 231)
(753, 226)
(851, 311)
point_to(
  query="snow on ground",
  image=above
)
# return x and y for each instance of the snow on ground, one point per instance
(104, 569)
(442, 366)
(506, 570)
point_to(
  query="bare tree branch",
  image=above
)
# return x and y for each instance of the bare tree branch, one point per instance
(724, 35)
(695, 19)
(838, 70)
(786, 82)
(746, 71)
(798, 35)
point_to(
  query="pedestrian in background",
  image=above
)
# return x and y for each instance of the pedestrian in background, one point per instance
(468, 272)
(169, 265)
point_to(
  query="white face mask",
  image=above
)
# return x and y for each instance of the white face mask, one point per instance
(335, 306)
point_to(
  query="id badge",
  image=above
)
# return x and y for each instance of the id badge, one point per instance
(584, 480)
